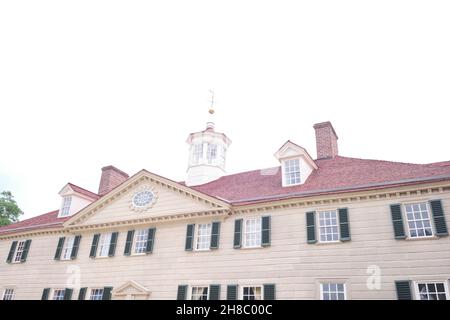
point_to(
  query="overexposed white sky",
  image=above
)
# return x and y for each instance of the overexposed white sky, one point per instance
(84, 84)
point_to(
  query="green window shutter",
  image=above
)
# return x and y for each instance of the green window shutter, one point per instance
(397, 220)
(237, 241)
(403, 290)
(189, 237)
(68, 294)
(26, 248)
(311, 227)
(129, 243)
(269, 292)
(344, 224)
(182, 292)
(59, 248)
(94, 245)
(439, 218)
(11, 252)
(82, 294)
(215, 235)
(265, 231)
(113, 244)
(76, 245)
(45, 294)
(214, 292)
(107, 293)
(150, 240)
(232, 292)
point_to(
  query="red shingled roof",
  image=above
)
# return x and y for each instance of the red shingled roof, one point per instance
(336, 175)
(83, 191)
(47, 220)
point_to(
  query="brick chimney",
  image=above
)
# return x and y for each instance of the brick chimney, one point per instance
(111, 178)
(326, 140)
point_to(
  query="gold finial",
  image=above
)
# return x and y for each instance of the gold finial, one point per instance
(211, 108)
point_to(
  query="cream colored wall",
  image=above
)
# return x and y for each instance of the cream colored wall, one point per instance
(293, 265)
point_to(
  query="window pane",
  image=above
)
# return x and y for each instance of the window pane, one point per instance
(418, 220)
(328, 226)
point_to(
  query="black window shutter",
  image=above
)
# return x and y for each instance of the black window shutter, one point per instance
(82, 294)
(129, 243)
(112, 244)
(232, 292)
(189, 237)
(439, 218)
(214, 292)
(344, 224)
(68, 294)
(11, 252)
(150, 240)
(107, 293)
(237, 243)
(269, 292)
(45, 294)
(182, 291)
(403, 290)
(26, 248)
(59, 248)
(76, 245)
(311, 227)
(93, 252)
(397, 220)
(215, 235)
(265, 231)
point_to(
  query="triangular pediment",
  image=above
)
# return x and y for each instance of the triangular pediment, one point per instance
(131, 288)
(169, 200)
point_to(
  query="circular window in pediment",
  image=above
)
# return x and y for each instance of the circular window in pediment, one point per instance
(143, 199)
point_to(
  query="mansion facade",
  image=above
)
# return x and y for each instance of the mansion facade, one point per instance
(330, 228)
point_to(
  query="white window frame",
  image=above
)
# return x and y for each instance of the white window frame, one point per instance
(197, 236)
(430, 218)
(287, 182)
(241, 291)
(90, 293)
(11, 295)
(191, 289)
(65, 207)
(416, 287)
(67, 248)
(211, 153)
(332, 282)
(101, 244)
(21, 246)
(244, 233)
(319, 227)
(135, 241)
(58, 289)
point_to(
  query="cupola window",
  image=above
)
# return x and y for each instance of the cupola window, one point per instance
(197, 153)
(212, 153)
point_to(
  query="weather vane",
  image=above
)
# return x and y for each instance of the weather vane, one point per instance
(211, 108)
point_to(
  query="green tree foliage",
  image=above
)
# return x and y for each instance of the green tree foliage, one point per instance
(9, 210)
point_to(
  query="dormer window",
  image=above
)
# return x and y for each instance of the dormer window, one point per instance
(291, 172)
(296, 164)
(211, 153)
(65, 209)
